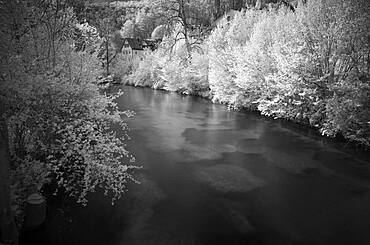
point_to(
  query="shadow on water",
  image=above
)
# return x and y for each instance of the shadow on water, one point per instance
(212, 176)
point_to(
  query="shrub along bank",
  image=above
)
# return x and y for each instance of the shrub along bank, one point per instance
(310, 66)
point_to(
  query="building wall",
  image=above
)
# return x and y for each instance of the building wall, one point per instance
(134, 56)
(127, 53)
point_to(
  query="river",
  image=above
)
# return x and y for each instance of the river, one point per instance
(212, 176)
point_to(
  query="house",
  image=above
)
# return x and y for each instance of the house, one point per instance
(134, 49)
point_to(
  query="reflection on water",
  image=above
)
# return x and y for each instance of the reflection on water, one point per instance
(212, 176)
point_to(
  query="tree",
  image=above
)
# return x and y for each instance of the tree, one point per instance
(145, 23)
(159, 32)
(128, 29)
(190, 20)
(309, 66)
(58, 123)
(104, 18)
(109, 52)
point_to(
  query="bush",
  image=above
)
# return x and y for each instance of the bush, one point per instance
(58, 121)
(309, 66)
(170, 68)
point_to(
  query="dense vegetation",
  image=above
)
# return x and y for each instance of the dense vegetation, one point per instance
(306, 61)
(310, 65)
(55, 123)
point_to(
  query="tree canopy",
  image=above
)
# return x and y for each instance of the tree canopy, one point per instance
(309, 64)
(58, 122)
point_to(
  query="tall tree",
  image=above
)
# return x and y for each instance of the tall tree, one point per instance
(57, 122)
(109, 52)
(190, 19)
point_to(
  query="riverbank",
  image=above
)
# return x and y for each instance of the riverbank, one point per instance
(266, 61)
(299, 125)
(214, 176)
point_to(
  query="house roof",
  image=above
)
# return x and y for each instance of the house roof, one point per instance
(151, 43)
(134, 43)
(140, 44)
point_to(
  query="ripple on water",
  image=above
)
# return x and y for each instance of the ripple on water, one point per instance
(228, 178)
(294, 163)
(143, 197)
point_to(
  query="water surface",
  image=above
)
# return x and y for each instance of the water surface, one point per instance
(212, 176)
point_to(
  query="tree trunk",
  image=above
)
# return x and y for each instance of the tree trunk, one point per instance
(182, 15)
(217, 9)
(107, 54)
(8, 229)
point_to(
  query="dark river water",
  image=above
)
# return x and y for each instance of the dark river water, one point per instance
(212, 176)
